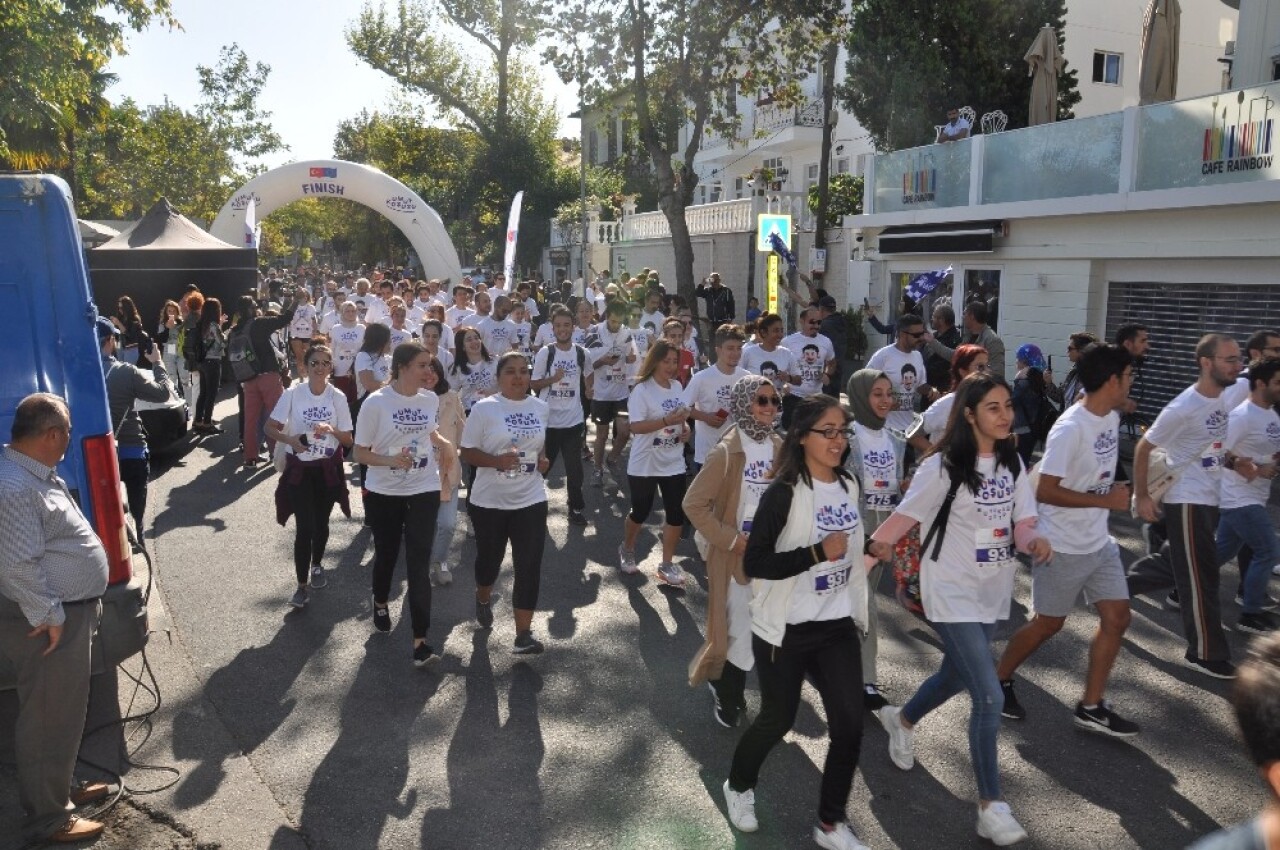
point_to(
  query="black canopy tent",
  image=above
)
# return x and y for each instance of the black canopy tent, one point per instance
(153, 261)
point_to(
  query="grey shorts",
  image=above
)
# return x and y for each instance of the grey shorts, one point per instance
(1056, 586)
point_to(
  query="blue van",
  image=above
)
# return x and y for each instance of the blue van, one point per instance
(50, 345)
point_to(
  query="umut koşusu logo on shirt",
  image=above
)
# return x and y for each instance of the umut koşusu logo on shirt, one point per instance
(316, 414)
(837, 517)
(879, 458)
(411, 416)
(1216, 422)
(994, 489)
(1105, 443)
(522, 423)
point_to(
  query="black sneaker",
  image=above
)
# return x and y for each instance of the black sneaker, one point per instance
(1012, 708)
(1172, 602)
(1104, 721)
(1262, 623)
(726, 715)
(484, 613)
(526, 644)
(1268, 603)
(1218, 669)
(424, 655)
(381, 618)
(577, 518)
(872, 699)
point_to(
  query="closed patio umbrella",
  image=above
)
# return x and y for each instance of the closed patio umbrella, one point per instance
(1045, 64)
(1158, 65)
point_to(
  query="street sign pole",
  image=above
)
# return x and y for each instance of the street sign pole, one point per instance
(771, 288)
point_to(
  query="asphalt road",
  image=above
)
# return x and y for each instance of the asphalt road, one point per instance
(600, 742)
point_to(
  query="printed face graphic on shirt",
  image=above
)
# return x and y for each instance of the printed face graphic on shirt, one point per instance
(810, 354)
(908, 378)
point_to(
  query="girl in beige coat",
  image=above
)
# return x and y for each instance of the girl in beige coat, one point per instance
(720, 503)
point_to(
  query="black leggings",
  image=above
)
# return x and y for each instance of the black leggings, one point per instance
(313, 501)
(210, 381)
(570, 441)
(643, 489)
(826, 651)
(526, 530)
(414, 518)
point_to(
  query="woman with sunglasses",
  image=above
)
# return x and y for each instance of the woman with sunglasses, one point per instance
(504, 440)
(721, 504)
(313, 422)
(877, 461)
(974, 504)
(808, 606)
(966, 360)
(656, 463)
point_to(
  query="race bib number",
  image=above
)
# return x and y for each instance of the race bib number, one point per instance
(828, 581)
(993, 547)
(881, 501)
(528, 463)
(1212, 457)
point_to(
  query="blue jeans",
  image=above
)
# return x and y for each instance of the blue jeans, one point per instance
(1251, 526)
(967, 665)
(446, 522)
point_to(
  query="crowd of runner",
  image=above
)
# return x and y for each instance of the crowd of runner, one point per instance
(800, 499)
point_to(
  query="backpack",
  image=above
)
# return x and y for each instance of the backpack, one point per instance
(1046, 414)
(244, 362)
(582, 370)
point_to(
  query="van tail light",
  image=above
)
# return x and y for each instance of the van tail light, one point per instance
(108, 510)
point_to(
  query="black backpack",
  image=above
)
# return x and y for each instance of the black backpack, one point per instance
(582, 371)
(244, 361)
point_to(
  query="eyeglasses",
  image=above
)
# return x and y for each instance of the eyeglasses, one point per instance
(833, 433)
(915, 335)
(1233, 360)
(768, 400)
(320, 363)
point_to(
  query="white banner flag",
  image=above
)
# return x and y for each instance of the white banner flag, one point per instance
(251, 224)
(513, 230)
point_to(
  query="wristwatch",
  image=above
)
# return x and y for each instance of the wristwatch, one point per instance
(866, 546)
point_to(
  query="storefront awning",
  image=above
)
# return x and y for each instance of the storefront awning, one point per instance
(961, 237)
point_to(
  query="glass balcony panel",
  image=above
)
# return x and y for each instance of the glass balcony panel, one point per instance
(928, 177)
(1065, 159)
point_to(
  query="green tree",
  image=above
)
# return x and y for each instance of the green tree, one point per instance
(229, 105)
(52, 55)
(909, 60)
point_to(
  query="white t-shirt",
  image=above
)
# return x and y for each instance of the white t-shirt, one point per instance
(936, 416)
(523, 336)
(498, 334)
(1082, 450)
(906, 372)
(820, 592)
(562, 396)
(1253, 432)
(580, 334)
(328, 322)
(972, 582)
(758, 361)
(494, 425)
(1192, 429)
(708, 392)
(391, 423)
(300, 411)
(445, 356)
(481, 379)
(656, 318)
(531, 308)
(378, 364)
(303, 325)
(643, 341)
(881, 489)
(418, 311)
(660, 453)
(369, 307)
(399, 336)
(610, 379)
(455, 317)
(810, 366)
(345, 342)
(545, 335)
(756, 477)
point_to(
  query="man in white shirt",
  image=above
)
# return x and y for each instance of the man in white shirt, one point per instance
(1252, 449)
(1077, 489)
(368, 306)
(904, 364)
(707, 395)
(559, 380)
(610, 349)
(331, 318)
(497, 331)
(1192, 429)
(461, 310)
(768, 358)
(814, 359)
(653, 314)
(956, 128)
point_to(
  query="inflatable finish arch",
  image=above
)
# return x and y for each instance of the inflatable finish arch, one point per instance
(335, 178)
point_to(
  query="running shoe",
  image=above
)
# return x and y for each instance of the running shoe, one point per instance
(627, 561)
(300, 598)
(381, 618)
(1261, 623)
(1104, 721)
(597, 478)
(318, 579)
(577, 518)
(671, 574)
(901, 739)
(484, 613)
(840, 837)
(527, 644)
(1172, 602)
(996, 824)
(1012, 708)
(741, 807)
(872, 699)
(1219, 669)
(424, 655)
(1269, 603)
(726, 715)
(444, 575)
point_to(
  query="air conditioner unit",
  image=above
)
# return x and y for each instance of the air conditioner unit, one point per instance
(1230, 49)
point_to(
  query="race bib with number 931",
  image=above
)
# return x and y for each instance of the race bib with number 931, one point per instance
(993, 547)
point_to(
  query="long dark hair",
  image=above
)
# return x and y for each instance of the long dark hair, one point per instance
(958, 445)
(127, 311)
(791, 464)
(442, 383)
(376, 337)
(210, 314)
(460, 361)
(246, 312)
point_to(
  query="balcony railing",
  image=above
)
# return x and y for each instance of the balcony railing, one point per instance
(1200, 143)
(771, 117)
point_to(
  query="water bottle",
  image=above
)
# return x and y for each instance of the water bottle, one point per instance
(514, 471)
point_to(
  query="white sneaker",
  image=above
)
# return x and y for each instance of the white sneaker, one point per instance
(671, 574)
(996, 824)
(840, 838)
(627, 561)
(444, 575)
(901, 739)
(741, 808)
(1275, 571)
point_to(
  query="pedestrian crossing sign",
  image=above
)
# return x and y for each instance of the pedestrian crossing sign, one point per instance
(767, 223)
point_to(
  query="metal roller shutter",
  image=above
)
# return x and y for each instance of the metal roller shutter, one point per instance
(1178, 314)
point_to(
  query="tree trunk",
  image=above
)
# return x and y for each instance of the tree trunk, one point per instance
(824, 160)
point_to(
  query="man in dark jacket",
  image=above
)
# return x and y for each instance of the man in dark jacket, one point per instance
(938, 368)
(835, 328)
(126, 384)
(719, 298)
(263, 390)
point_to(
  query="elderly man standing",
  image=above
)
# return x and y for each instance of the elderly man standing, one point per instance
(53, 572)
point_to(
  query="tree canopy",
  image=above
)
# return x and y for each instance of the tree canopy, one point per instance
(909, 60)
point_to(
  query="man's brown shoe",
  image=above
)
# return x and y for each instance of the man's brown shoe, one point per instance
(77, 829)
(90, 792)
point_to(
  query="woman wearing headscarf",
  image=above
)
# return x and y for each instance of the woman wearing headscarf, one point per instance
(876, 460)
(1029, 390)
(721, 504)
